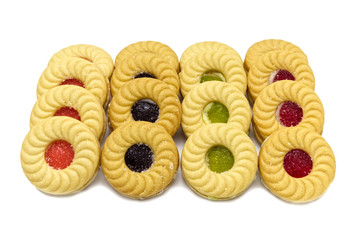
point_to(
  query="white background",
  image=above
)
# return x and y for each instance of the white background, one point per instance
(327, 31)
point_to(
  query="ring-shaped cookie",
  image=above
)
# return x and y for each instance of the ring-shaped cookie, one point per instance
(266, 105)
(199, 97)
(283, 185)
(294, 63)
(224, 185)
(91, 53)
(144, 62)
(151, 182)
(146, 88)
(80, 100)
(156, 48)
(75, 68)
(260, 48)
(83, 167)
(228, 65)
(206, 46)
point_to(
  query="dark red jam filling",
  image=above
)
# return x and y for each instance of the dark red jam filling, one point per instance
(69, 112)
(297, 163)
(139, 157)
(73, 81)
(289, 114)
(59, 154)
(145, 110)
(283, 75)
(144, 75)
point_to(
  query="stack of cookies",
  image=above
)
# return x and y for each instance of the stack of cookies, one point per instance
(140, 158)
(61, 153)
(296, 163)
(219, 160)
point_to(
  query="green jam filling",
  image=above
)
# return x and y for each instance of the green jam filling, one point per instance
(215, 112)
(212, 76)
(219, 159)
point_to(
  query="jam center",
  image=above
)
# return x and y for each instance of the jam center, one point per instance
(219, 159)
(145, 110)
(144, 75)
(289, 114)
(279, 75)
(69, 112)
(212, 76)
(59, 154)
(139, 157)
(73, 81)
(297, 163)
(215, 112)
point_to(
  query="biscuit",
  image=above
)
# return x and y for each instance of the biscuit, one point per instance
(139, 159)
(146, 99)
(275, 66)
(90, 53)
(297, 164)
(206, 46)
(72, 101)
(287, 104)
(219, 161)
(144, 65)
(212, 65)
(156, 48)
(75, 71)
(213, 102)
(60, 155)
(260, 48)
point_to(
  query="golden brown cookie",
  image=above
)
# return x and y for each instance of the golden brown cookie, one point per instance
(286, 104)
(140, 159)
(156, 48)
(212, 66)
(276, 66)
(297, 164)
(90, 53)
(60, 155)
(206, 46)
(215, 102)
(146, 99)
(142, 65)
(262, 47)
(71, 101)
(75, 71)
(219, 161)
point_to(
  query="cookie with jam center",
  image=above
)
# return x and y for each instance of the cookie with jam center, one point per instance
(157, 48)
(60, 155)
(297, 164)
(219, 161)
(71, 101)
(144, 64)
(286, 104)
(215, 102)
(139, 159)
(93, 54)
(146, 99)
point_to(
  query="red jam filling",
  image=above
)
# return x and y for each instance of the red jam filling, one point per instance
(59, 154)
(69, 112)
(86, 59)
(283, 75)
(289, 114)
(72, 81)
(297, 163)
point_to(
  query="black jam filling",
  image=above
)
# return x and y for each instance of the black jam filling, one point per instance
(139, 157)
(144, 74)
(145, 110)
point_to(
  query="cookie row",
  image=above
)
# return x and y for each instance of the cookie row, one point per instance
(61, 153)
(295, 162)
(140, 158)
(219, 160)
